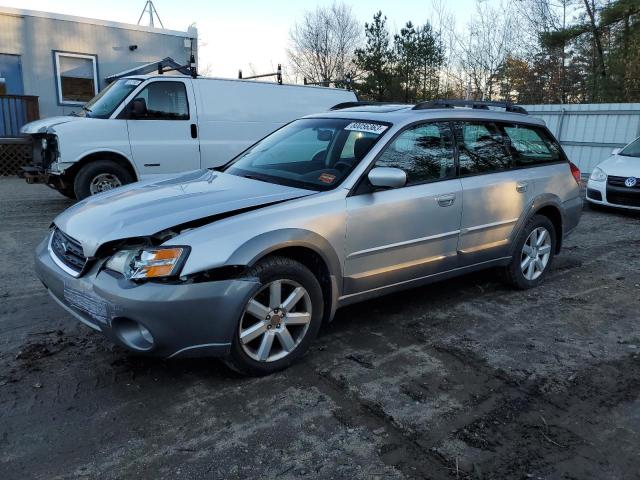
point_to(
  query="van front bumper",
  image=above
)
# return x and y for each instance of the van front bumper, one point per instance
(158, 319)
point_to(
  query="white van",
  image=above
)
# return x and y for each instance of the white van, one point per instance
(144, 126)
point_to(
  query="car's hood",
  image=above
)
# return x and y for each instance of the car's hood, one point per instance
(145, 208)
(41, 126)
(621, 166)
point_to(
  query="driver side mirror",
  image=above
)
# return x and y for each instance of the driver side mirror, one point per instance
(387, 177)
(616, 151)
(138, 108)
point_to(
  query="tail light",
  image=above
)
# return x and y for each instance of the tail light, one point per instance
(575, 171)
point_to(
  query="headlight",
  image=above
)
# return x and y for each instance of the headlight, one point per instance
(598, 175)
(44, 144)
(143, 263)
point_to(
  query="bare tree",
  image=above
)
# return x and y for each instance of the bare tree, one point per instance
(491, 39)
(321, 46)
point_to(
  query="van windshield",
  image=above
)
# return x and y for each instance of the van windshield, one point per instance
(315, 153)
(104, 104)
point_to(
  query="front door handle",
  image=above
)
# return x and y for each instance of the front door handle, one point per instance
(446, 200)
(521, 187)
(194, 130)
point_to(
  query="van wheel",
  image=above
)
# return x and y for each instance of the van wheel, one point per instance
(100, 176)
(533, 254)
(279, 321)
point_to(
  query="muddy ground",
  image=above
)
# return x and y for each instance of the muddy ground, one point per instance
(463, 379)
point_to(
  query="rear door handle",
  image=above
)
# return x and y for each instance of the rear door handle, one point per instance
(522, 187)
(194, 130)
(446, 200)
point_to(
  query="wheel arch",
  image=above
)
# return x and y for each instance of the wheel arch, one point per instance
(114, 156)
(550, 206)
(304, 246)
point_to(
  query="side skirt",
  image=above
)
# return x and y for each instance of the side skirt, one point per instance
(419, 282)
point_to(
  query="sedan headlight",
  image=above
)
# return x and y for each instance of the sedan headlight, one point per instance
(44, 143)
(598, 175)
(141, 263)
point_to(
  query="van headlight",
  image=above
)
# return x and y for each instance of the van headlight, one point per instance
(598, 175)
(142, 263)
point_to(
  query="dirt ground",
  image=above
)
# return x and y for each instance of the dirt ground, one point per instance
(463, 379)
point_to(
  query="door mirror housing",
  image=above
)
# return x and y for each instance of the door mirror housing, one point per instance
(138, 108)
(616, 151)
(387, 177)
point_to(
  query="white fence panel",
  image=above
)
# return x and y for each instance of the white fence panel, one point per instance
(588, 132)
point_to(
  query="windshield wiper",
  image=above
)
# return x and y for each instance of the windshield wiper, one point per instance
(86, 109)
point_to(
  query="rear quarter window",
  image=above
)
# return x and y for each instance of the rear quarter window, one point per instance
(531, 146)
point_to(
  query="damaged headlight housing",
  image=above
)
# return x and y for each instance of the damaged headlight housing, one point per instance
(148, 262)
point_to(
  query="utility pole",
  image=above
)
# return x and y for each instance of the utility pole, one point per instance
(151, 10)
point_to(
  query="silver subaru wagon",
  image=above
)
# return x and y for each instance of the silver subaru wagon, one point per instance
(247, 262)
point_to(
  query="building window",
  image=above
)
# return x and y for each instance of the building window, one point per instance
(76, 77)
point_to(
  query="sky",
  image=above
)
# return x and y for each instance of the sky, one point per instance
(242, 34)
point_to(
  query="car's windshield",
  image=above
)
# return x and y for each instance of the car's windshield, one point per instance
(632, 150)
(103, 104)
(316, 153)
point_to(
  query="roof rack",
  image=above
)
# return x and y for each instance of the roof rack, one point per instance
(343, 105)
(477, 104)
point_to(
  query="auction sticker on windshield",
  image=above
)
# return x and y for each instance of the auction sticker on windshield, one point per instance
(374, 128)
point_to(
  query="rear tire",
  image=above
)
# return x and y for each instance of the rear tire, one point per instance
(276, 329)
(100, 176)
(533, 254)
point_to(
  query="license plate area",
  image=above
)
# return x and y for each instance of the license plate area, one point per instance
(88, 303)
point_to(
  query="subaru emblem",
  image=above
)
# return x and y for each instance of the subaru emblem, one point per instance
(631, 182)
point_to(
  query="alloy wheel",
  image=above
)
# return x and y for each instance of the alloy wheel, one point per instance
(275, 320)
(535, 253)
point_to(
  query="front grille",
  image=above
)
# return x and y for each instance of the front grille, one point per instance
(68, 251)
(631, 199)
(619, 182)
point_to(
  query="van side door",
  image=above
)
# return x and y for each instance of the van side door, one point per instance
(408, 233)
(162, 123)
(495, 192)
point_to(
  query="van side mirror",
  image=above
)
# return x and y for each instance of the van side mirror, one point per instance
(616, 151)
(138, 108)
(387, 177)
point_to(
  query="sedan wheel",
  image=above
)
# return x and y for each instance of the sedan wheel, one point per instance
(535, 253)
(279, 321)
(532, 253)
(275, 321)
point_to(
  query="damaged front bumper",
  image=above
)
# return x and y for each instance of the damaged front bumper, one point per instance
(165, 320)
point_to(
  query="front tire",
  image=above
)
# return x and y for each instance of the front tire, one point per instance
(279, 321)
(100, 176)
(533, 254)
